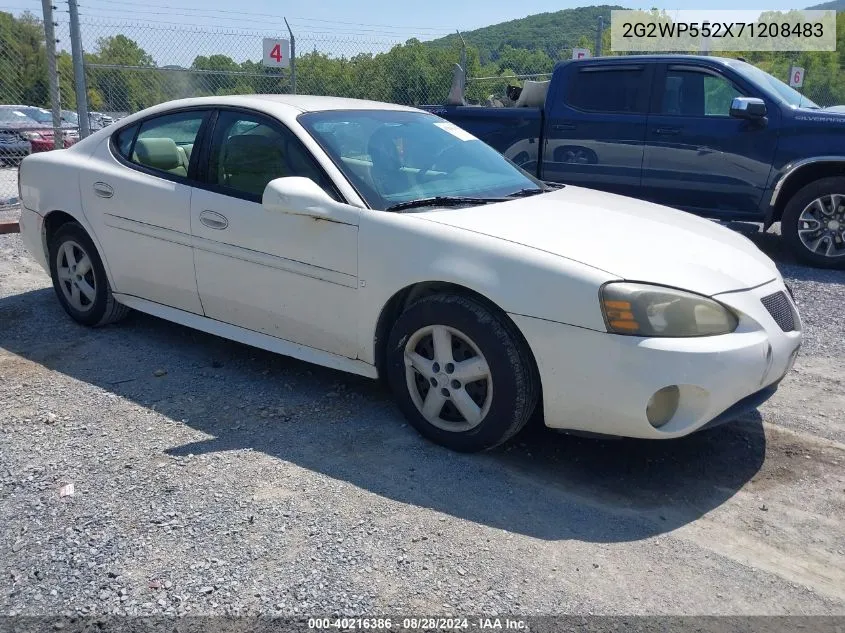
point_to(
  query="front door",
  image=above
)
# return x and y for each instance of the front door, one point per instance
(698, 157)
(285, 275)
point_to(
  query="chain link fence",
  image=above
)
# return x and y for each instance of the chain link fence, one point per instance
(131, 65)
(22, 81)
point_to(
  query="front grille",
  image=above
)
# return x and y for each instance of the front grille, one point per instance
(778, 306)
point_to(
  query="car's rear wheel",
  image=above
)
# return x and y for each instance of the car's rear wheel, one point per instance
(461, 373)
(79, 278)
(813, 223)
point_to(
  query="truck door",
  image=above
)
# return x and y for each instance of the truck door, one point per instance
(699, 158)
(596, 125)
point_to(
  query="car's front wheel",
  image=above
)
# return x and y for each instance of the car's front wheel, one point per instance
(461, 373)
(813, 223)
(79, 278)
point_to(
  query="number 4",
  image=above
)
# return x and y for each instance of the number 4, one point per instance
(276, 53)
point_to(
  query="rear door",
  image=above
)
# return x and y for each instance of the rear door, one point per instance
(698, 157)
(596, 126)
(137, 194)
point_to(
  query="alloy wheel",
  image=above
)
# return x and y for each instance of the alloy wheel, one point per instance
(821, 226)
(448, 378)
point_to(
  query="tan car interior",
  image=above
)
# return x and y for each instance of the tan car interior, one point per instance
(251, 160)
(163, 154)
(247, 161)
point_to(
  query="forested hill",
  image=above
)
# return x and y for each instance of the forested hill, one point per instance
(552, 33)
(836, 5)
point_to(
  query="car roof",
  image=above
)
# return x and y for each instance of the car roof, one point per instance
(654, 58)
(302, 103)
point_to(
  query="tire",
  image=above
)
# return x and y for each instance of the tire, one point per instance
(503, 399)
(798, 216)
(97, 306)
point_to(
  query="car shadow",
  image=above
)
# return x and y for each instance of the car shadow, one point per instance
(543, 484)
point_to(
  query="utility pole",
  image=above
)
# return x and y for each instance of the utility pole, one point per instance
(292, 59)
(53, 77)
(79, 70)
(599, 32)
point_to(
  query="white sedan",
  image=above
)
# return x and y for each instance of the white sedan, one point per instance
(384, 241)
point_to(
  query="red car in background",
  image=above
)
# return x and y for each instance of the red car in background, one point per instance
(36, 126)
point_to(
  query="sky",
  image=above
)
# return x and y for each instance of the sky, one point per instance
(333, 26)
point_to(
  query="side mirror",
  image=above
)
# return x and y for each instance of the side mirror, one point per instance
(749, 108)
(297, 196)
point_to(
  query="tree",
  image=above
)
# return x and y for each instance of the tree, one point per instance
(24, 77)
(128, 89)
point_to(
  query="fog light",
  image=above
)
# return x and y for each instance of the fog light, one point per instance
(662, 406)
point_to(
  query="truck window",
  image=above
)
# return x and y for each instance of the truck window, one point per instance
(608, 89)
(693, 93)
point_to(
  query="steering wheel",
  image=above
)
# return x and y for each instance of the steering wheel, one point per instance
(422, 175)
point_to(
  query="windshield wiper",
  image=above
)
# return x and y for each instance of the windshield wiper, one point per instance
(522, 193)
(450, 201)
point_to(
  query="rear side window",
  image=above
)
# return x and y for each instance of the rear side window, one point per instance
(123, 141)
(608, 90)
(164, 143)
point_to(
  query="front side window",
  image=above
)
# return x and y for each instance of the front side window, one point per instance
(248, 151)
(608, 90)
(788, 95)
(393, 156)
(694, 93)
(163, 143)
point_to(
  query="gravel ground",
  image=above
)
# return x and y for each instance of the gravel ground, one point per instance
(214, 478)
(8, 193)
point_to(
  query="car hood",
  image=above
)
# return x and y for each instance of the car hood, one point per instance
(625, 237)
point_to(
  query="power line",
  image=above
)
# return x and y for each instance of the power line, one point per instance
(240, 31)
(360, 31)
(218, 30)
(268, 15)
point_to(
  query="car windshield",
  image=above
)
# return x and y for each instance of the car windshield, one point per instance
(13, 116)
(38, 114)
(789, 95)
(393, 157)
(70, 117)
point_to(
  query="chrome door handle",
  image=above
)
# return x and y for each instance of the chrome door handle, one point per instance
(214, 220)
(103, 190)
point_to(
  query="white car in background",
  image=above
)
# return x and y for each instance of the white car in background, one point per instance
(384, 241)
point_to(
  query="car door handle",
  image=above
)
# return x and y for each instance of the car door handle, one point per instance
(667, 131)
(563, 127)
(214, 220)
(103, 190)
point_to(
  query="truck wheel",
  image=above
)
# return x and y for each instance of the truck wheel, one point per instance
(813, 223)
(461, 373)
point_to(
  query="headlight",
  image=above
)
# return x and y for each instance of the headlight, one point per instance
(31, 136)
(645, 310)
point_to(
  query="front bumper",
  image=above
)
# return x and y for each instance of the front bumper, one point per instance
(601, 383)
